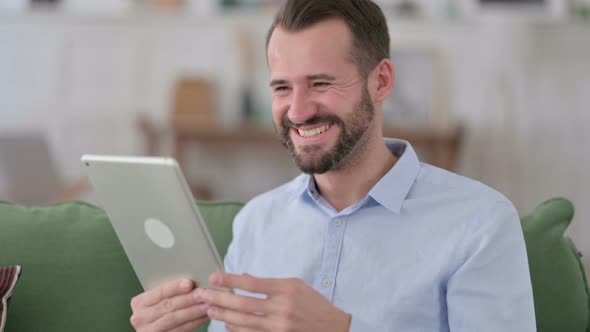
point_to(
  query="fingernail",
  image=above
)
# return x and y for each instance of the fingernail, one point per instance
(185, 284)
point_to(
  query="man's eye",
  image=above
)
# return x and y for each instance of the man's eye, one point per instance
(320, 84)
(281, 88)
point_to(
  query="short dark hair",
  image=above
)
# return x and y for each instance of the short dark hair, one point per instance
(364, 19)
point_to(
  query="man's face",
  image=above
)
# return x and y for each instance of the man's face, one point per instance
(321, 106)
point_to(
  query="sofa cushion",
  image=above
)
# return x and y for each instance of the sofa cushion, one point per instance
(8, 278)
(219, 217)
(78, 277)
(560, 289)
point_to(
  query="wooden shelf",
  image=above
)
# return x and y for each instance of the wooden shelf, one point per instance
(211, 135)
(437, 146)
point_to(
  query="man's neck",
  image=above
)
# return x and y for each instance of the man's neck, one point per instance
(344, 187)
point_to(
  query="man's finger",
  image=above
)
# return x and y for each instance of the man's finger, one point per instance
(190, 326)
(236, 328)
(234, 302)
(247, 282)
(237, 318)
(179, 318)
(165, 291)
(174, 303)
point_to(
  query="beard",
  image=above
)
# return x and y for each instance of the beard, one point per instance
(311, 159)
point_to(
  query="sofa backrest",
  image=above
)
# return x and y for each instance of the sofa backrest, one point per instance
(76, 276)
(560, 287)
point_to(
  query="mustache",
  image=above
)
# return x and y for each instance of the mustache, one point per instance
(286, 123)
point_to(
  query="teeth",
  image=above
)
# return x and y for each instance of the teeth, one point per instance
(313, 132)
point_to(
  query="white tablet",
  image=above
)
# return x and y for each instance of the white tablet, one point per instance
(155, 217)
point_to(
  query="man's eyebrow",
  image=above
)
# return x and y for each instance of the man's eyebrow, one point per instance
(325, 77)
(277, 82)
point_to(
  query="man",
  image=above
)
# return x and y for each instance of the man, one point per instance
(369, 238)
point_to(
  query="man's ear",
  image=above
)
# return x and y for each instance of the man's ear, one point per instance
(382, 80)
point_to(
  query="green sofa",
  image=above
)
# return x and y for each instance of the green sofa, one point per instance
(76, 276)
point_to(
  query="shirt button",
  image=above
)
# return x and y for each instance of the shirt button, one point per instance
(337, 222)
(326, 283)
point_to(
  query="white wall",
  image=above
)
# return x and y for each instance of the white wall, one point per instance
(519, 87)
(555, 137)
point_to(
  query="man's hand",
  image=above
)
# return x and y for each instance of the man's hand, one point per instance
(173, 306)
(290, 305)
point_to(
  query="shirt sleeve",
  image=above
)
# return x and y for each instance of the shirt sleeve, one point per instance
(232, 258)
(491, 290)
(230, 263)
(359, 325)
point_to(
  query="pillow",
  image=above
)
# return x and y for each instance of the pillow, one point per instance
(8, 278)
(560, 288)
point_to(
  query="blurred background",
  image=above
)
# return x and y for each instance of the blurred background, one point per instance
(495, 90)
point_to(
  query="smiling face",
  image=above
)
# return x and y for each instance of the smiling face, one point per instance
(321, 106)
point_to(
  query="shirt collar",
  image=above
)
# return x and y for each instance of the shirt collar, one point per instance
(394, 186)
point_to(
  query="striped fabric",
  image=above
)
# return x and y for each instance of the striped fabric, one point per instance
(8, 277)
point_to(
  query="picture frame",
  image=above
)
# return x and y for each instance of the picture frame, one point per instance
(420, 94)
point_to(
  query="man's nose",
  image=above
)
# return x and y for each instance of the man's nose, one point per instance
(301, 108)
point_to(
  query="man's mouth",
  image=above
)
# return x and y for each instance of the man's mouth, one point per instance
(314, 131)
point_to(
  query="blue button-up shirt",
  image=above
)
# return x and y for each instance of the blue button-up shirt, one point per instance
(425, 250)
